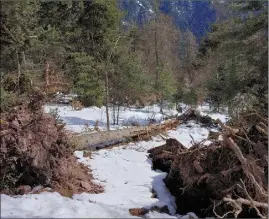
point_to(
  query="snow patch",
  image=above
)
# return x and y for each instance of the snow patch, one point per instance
(77, 119)
(126, 174)
(186, 133)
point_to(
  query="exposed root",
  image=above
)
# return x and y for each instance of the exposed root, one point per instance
(234, 147)
(225, 179)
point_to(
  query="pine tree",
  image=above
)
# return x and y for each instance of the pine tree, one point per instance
(240, 46)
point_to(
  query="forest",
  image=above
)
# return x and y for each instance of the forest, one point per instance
(90, 50)
(84, 48)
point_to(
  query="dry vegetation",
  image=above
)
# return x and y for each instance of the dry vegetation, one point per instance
(36, 151)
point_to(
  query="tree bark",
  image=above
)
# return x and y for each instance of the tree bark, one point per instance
(156, 45)
(118, 114)
(105, 138)
(107, 84)
(114, 114)
(107, 100)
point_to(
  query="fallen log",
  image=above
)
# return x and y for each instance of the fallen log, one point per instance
(106, 138)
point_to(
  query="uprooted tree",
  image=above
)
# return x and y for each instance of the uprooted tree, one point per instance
(225, 179)
(36, 151)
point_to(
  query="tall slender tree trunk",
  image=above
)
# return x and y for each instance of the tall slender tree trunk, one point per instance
(118, 114)
(107, 85)
(161, 105)
(107, 100)
(114, 114)
(157, 70)
(156, 51)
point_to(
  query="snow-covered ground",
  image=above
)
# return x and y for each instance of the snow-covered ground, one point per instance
(206, 110)
(128, 180)
(186, 133)
(77, 119)
(125, 172)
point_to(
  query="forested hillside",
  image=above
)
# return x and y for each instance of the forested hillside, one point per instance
(84, 47)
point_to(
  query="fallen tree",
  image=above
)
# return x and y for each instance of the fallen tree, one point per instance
(36, 151)
(225, 179)
(107, 138)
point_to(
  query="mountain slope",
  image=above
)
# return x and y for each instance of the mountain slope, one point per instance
(197, 16)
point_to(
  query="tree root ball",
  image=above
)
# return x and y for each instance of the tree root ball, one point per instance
(35, 152)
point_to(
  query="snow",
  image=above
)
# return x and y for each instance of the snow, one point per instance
(154, 214)
(206, 111)
(76, 119)
(53, 205)
(125, 172)
(128, 178)
(186, 133)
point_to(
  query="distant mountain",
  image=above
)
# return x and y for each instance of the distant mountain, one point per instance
(197, 16)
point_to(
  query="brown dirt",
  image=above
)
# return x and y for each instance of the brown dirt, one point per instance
(35, 151)
(163, 156)
(202, 176)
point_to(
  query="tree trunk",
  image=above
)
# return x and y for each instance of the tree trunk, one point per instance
(105, 138)
(118, 114)
(157, 70)
(114, 114)
(106, 84)
(161, 105)
(107, 100)
(156, 52)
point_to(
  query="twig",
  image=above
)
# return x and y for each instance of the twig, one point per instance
(246, 140)
(249, 197)
(205, 176)
(260, 129)
(192, 139)
(247, 202)
(225, 127)
(229, 212)
(236, 206)
(233, 169)
(168, 152)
